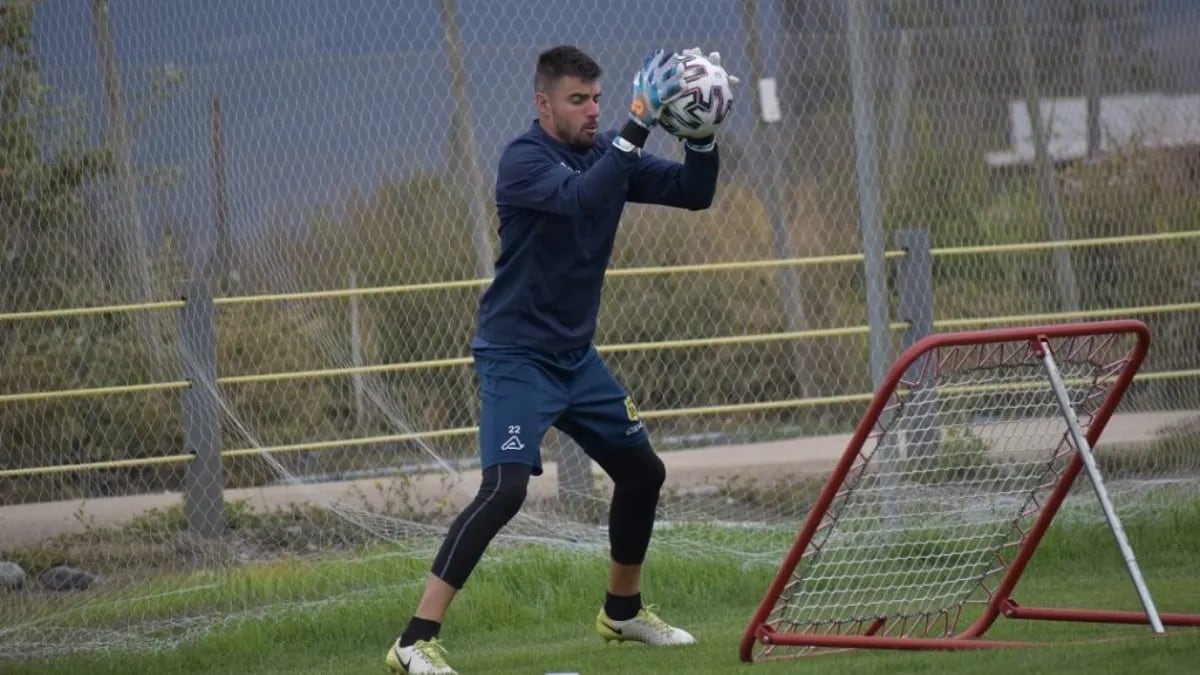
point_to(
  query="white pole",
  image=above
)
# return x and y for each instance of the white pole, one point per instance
(1089, 462)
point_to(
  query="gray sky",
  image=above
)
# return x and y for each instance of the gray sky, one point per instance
(322, 97)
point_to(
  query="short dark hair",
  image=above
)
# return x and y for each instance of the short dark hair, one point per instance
(562, 61)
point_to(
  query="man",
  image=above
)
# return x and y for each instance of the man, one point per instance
(560, 190)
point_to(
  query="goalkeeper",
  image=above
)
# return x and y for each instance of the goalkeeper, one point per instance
(560, 190)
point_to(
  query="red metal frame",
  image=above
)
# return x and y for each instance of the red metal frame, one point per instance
(1000, 602)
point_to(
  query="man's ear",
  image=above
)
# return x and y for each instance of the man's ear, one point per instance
(542, 100)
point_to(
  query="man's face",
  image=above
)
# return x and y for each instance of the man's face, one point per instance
(570, 111)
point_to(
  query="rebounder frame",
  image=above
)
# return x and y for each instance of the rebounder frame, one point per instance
(1001, 601)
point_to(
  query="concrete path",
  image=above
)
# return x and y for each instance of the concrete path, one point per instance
(28, 523)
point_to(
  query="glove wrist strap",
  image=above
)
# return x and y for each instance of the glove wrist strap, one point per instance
(635, 133)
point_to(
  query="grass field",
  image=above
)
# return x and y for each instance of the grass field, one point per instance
(530, 610)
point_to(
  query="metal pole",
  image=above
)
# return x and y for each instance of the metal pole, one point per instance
(221, 265)
(902, 88)
(1089, 462)
(1068, 289)
(121, 139)
(769, 173)
(576, 486)
(867, 168)
(356, 354)
(1091, 78)
(464, 152)
(204, 480)
(914, 288)
(914, 285)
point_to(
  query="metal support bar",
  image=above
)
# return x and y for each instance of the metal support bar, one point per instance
(1089, 462)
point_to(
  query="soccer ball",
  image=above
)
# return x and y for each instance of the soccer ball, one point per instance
(704, 103)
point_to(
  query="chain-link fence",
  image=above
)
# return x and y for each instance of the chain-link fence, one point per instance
(243, 244)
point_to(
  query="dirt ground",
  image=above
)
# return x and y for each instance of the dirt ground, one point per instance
(26, 524)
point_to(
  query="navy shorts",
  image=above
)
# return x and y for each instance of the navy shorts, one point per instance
(524, 392)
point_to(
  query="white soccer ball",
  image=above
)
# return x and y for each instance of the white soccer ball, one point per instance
(705, 102)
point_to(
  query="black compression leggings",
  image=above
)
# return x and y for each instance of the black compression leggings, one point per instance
(637, 475)
(499, 498)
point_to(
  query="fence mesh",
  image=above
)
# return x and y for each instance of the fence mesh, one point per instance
(322, 174)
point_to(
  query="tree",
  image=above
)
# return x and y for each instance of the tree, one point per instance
(44, 164)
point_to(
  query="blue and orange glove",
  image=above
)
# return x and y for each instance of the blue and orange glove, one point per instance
(657, 83)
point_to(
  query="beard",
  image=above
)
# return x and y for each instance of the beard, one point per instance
(580, 138)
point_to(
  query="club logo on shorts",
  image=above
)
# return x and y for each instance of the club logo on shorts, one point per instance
(631, 409)
(513, 443)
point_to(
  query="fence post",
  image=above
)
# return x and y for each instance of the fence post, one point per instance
(914, 286)
(200, 414)
(870, 202)
(576, 486)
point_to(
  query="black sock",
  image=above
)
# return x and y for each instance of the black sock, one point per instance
(419, 629)
(622, 607)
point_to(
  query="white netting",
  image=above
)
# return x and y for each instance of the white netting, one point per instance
(326, 170)
(943, 492)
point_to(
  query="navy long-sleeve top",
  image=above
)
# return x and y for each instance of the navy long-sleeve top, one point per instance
(559, 209)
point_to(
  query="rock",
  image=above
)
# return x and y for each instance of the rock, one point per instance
(63, 578)
(12, 577)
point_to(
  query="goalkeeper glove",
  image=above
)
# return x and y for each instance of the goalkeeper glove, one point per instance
(657, 83)
(713, 58)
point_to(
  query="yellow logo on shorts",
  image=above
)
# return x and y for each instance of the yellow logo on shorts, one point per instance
(631, 409)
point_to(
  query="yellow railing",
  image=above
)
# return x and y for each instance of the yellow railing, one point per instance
(610, 348)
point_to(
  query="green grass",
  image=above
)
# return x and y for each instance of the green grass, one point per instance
(530, 610)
